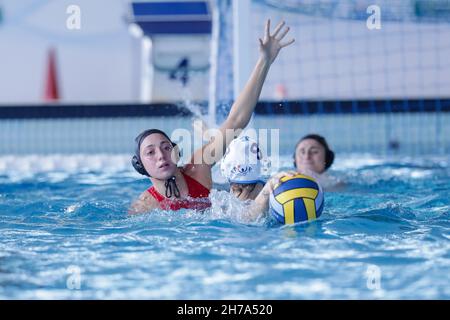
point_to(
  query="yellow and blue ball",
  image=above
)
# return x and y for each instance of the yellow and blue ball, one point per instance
(296, 199)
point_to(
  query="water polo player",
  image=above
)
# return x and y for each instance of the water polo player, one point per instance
(313, 157)
(312, 153)
(176, 187)
(243, 166)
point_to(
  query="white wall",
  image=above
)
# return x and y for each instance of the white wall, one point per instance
(95, 64)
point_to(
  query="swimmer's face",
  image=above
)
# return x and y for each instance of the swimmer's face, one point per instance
(245, 191)
(310, 155)
(156, 153)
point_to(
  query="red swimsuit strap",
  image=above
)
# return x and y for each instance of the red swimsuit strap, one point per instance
(195, 188)
(159, 197)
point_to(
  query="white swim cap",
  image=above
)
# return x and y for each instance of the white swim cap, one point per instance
(243, 161)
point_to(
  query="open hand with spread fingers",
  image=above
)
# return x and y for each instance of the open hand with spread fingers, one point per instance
(271, 45)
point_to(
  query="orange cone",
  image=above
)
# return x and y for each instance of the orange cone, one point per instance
(51, 84)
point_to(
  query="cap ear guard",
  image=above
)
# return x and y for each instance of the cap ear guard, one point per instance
(329, 158)
(137, 165)
(295, 164)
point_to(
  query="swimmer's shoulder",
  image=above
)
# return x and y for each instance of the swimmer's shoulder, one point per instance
(332, 183)
(143, 204)
(328, 182)
(199, 172)
(336, 186)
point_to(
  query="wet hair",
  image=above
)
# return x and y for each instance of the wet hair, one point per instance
(254, 184)
(244, 185)
(136, 159)
(329, 154)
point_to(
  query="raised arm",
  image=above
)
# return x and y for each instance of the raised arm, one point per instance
(242, 109)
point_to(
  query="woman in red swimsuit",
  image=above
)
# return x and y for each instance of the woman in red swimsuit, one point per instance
(173, 187)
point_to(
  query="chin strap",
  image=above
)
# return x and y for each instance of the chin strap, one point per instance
(172, 188)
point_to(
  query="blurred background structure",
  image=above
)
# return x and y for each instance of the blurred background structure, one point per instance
(87, 77)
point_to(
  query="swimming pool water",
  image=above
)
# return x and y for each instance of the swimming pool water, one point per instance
(65, 234)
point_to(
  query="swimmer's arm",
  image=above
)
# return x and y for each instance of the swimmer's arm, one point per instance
(260, 206)
(143, 204)
(242, 109)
